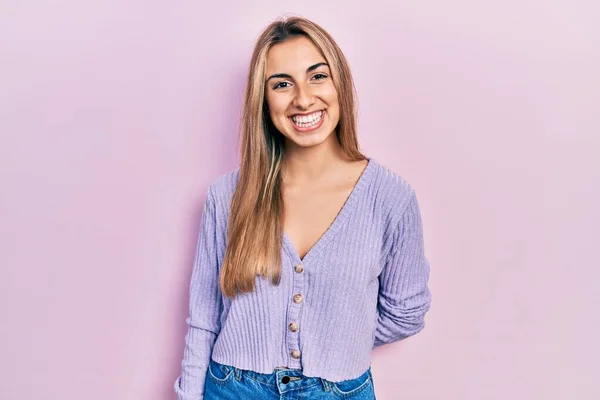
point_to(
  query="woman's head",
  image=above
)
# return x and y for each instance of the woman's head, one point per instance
(296, 68)
(310, 74)
(300, 97)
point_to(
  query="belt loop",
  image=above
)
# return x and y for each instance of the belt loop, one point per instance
(238, 374)
(326, 384)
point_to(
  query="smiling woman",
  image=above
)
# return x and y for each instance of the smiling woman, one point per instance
(310, 253)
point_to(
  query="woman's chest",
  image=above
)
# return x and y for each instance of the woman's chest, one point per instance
(308, 215)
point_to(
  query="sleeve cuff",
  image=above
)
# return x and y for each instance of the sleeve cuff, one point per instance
(184, 396)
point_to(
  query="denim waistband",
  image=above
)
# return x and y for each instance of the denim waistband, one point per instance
(295, 376)
(285, 379)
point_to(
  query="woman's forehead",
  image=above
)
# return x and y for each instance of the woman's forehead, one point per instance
(293, 56)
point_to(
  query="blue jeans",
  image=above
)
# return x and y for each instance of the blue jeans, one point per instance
(224, 382)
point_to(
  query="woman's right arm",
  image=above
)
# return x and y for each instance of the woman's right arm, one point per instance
(204, 308)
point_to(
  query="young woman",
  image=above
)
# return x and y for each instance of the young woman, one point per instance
(310, 254)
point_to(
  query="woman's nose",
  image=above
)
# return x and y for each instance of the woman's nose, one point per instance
(304, 97)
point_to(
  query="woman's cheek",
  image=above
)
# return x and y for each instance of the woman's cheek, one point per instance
(332, 93)
(279, 121)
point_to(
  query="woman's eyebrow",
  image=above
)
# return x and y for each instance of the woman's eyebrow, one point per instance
(309, 69)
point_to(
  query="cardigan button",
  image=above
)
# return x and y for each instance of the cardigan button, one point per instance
(298, 298)
(295, 354)
(293, 327)
(299, 268)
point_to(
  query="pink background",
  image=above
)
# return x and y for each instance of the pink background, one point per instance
(116, 115)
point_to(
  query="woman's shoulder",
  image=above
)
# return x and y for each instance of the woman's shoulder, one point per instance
(390, 186)
(224, 185)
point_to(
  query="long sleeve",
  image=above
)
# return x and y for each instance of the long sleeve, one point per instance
(404, 296)
(205, 307)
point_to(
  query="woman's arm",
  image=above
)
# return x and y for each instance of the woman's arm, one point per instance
(404, 296)
(204, 308)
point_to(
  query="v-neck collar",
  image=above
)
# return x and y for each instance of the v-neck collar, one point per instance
(338, 222)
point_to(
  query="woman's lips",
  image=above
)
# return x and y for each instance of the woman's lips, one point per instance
(311, 126)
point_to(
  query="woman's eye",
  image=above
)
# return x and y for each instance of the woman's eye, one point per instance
(319, 76)
(280, 85)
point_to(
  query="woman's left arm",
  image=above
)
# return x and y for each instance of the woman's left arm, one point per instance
(404, 296)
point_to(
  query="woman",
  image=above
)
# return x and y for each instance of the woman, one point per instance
(321, 259)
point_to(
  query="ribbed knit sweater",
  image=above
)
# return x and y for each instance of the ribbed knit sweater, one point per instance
(363, 284)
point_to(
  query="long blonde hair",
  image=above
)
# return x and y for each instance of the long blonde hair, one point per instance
(255, 226)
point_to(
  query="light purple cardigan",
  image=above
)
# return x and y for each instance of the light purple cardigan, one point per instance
(363, 284)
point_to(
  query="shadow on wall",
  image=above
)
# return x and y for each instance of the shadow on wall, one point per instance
(223, 142)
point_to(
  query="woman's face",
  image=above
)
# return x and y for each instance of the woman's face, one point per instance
(302, 100)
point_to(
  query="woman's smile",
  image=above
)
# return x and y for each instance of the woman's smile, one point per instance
(308, 122)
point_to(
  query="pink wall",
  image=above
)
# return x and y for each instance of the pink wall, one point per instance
(114, 117)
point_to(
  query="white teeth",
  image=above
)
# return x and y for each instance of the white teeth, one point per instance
(307, 120)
